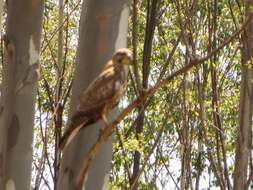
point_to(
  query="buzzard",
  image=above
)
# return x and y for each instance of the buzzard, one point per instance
(101, 96)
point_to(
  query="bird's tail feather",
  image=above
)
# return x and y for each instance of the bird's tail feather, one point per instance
(69, 135)
(77, 123)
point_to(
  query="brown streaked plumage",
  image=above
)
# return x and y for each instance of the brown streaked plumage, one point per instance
(101, 96)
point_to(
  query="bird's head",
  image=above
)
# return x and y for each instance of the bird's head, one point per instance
(123, 56)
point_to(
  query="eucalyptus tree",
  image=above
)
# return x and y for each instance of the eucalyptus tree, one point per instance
(103, 29)
(20, 75)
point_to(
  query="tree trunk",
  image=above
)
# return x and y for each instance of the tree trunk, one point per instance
(245, 113)
(59, 108)
(103, 29)
(1, 13)
(2, 130)
(20, 74)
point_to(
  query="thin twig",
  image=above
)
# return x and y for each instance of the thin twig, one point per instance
(58, 28)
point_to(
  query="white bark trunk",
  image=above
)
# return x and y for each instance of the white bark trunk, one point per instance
(24, 20)
(103, 29)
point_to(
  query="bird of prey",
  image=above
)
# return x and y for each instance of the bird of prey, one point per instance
(101, 96)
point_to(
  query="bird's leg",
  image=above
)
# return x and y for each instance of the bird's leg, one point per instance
(105, 123)
(105, 120)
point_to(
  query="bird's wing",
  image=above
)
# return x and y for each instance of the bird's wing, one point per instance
(99, 92)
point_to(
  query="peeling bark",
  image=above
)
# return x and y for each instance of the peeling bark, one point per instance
(13, 132)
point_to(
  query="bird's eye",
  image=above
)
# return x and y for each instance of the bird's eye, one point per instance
(119, 60)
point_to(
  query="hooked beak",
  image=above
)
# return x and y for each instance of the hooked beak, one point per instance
(129, 56)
